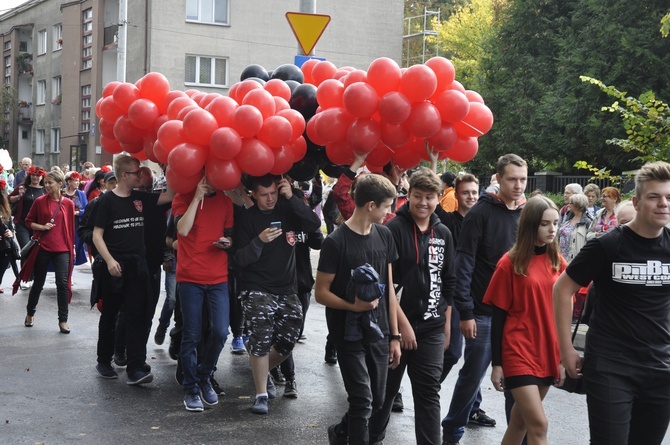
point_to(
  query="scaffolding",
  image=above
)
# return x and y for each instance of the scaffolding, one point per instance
(417, 47)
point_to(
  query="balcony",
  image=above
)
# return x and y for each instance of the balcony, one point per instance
(111, 36)
(25, 114)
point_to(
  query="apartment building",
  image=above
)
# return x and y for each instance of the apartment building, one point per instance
(58, 55)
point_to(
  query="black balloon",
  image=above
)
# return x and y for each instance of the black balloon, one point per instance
(288, 72)
(306, 168)
(257, 79)
(304, 101)
(292, 84)
(254, 71)
(270, 72)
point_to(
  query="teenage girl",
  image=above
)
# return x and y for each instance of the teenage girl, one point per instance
(524, 346)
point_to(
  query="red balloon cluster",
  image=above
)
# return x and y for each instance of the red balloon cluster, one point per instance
(253, 130)
(394, 113)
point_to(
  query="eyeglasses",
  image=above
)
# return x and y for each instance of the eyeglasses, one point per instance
(136, 172)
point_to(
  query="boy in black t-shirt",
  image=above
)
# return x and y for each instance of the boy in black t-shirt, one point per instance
(363, 364)
(627, 356)
(119, 237)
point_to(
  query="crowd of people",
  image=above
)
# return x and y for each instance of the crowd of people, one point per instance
(416, 271)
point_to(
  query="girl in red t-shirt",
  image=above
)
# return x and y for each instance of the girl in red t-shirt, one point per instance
(524, 345)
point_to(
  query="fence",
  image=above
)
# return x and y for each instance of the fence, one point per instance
(555, 183)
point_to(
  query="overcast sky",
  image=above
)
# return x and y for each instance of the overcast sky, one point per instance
(6, 5)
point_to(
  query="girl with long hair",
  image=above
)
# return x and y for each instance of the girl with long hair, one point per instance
(6, 235)
(24, 196)
(524, 345)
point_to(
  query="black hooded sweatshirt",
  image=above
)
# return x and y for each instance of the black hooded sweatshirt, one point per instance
(424, 269)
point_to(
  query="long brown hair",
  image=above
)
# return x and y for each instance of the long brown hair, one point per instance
(524, 249)
(5, 210)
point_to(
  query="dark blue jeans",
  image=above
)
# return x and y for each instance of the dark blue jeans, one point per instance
(477, 358)
(627, 404)
(61, 262)
(192, 297)
(170, 300)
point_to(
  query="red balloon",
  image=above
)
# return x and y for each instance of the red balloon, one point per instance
(262, 100)
(355, 76)
(332, 124)
(247, 120)
(444, 71)
(197, 97)
(148, 145)
(110, 145)
(299, 148)
(380, 156)
(452, 105)
(340, 153)
(141, 156)
(394, 107)
(157, 124)
(225, 143)
(424, 120)
(191, 92)
(177, 105)
(394, 136)
(360, 99)
(311, 131)
(278, 88)
(171, 134)
(126, 133)
(182, 184)
(384, 75)
(109, 88)
(363, 135)
(187, 159)
(280, 104)
(474, 96)
(224, 175)
(106, 128)
(209, 98)
(307, 68)
(155, 87)
(124, 95)
(108, 110)
(322, 71)
(232, 92)
(172, 95)
(444, 138)
(256, 157)
(276, 131)
(297, 122)
(160, 152)
(134, 148)
(143, 113)
(244, 87)
(418, 83)
(329, 93)
(199, 125)
(478, 122)
(97, 107)
(283, 161)
(184, 111)
(410, 155)
(464, 150)
(456, 85)
(223, 108)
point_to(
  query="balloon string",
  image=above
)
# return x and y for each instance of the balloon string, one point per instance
(481, 133)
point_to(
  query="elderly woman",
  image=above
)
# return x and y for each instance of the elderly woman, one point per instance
(572, 232)
(570, 189)
(592, 192)
(606, 217)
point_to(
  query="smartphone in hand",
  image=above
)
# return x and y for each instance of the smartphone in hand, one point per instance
(276, 225)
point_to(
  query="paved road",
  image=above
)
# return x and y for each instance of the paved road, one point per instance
(51, 394)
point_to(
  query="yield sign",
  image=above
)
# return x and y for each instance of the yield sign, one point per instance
(307, 28)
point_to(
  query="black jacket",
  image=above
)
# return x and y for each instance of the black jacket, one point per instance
(424, 269)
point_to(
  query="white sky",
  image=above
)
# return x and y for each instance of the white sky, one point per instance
(6, 5)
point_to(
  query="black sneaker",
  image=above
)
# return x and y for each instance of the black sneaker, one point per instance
(140, 377)
(159, 337)
(480, 418)
(398, 405)
(331, 354)
(291, 389)
(120, 358)
(277, 376)
(335, 436)
(106, 371)
(217, 388)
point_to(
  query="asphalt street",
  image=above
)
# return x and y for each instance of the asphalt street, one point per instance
(51, 394)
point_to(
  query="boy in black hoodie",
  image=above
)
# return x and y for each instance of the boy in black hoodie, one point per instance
(425, 272)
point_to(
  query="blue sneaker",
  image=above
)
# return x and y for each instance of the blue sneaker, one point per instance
(272, 390)
(207, 393)
(260, 405)
(192, 401)
(238, 346)
(140, 377)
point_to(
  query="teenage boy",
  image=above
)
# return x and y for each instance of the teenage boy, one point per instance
(627, 356)
(119, 237)
(424, 271)
(266, 235)
(363, 363)
(489, 230)
(204, 229)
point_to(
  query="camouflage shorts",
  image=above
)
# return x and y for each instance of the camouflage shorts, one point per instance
(273, 320)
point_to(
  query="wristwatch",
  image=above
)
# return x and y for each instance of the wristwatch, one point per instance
(396, 337)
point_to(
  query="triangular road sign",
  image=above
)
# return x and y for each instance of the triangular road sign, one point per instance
(307, 28)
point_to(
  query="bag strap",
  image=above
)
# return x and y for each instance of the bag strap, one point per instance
(53, 218)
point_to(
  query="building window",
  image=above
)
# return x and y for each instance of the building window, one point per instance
(8, 66)
(56, 92)
(41, 42)
(24, 134)
(207, 11)
(86, 97)
(39, 142)
(201, 70)
(58, 37)
(55, 140)
(87, 40)
(41, 92)
(8, 45)
(88, 14)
